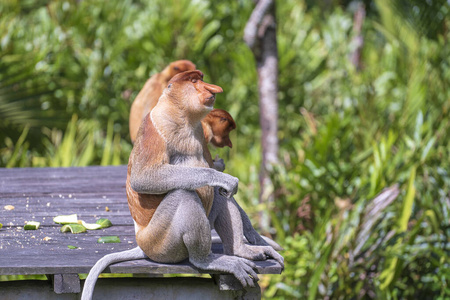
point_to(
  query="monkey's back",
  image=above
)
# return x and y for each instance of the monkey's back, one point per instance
(144, 102)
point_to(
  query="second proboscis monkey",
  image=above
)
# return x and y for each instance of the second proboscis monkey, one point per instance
(217, 126)
(175, 197)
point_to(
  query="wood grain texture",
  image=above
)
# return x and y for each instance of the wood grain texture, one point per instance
(40, 194)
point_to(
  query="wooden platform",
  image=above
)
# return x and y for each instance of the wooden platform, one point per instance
(39, 194)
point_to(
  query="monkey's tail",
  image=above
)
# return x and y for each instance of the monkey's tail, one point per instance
(101, 264)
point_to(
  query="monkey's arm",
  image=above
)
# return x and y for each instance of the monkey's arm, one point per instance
(164, 178)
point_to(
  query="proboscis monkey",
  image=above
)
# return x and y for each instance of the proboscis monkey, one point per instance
(216, 126)
(175, 197)
(152, 90)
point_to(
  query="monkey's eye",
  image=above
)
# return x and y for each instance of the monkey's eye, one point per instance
(176, 68)
(169, 86)
(194, 80)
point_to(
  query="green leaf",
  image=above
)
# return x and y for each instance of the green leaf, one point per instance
(427, 149)
(104, 223)
(407, 205)
(72, 247)
(66, 219)
(31, 225)
(392, 263)
(108, 239)
(315, 280)
(1, 225)
(20, 141)
(74, 228)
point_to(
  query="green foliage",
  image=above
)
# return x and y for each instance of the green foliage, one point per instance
(362, 193)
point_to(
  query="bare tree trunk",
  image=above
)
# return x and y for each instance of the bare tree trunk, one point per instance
(260, 36)
(358, 40)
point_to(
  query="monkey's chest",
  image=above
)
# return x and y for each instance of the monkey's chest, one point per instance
(206, 193)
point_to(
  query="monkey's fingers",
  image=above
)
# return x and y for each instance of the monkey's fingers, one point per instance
(252, 273)
(270, 252)
(246, 273)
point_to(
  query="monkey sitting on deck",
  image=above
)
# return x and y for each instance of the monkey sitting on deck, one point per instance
(175, 198)
(217, 126)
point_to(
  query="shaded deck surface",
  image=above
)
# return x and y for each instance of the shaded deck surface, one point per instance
(40, 194)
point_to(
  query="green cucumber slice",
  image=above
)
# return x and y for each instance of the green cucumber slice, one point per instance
(67, 219)
(74, 228)
(31, 225)
(108, 239)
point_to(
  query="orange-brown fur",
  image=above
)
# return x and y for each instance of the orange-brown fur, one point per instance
(152, 90)
(146, 151)
(217, 126)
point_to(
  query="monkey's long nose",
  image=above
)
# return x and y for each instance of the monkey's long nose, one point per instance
(214, 89)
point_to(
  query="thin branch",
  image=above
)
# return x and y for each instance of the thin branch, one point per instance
(254, 21)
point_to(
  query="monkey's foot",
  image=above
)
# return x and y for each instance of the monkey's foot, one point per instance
(259, 253)
(241, 268)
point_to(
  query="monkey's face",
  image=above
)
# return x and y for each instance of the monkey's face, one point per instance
(180, 66)
(193, 94)
(221, 128)
(221, 123)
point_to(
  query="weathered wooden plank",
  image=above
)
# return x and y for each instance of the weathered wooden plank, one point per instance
(47, 180)
(63, 172)
(180, 288)
(117, 218)
(41, 194)
(66, 283)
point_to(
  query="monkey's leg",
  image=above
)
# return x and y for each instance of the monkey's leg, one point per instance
(180, 229)
(252, 236)
(226, 217)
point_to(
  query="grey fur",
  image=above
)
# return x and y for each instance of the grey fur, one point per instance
(167, 177)
(233, 245)
(101, 264)
(252, 236)
(227, 218)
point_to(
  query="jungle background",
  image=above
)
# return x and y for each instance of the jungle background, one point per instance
(69, 71)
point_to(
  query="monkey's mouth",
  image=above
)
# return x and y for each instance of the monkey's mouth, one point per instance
(210, 101)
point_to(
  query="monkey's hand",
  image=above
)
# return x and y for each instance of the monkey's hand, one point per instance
(228, 186)
(219, 164)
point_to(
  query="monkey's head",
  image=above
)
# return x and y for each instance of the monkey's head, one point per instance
(221, 123)
(189, 92)
(177, 67)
